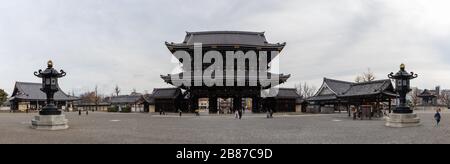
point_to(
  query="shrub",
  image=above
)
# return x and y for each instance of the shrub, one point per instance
(113, 109)
(126, 109)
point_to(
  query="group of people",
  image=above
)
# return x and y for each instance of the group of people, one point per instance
(79, 112)
(358, 113)
(162, 112)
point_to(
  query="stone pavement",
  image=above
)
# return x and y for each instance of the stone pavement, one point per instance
(252, 129)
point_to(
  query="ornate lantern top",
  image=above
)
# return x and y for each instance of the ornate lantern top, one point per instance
(50, 71)
(403, 74)
(50, 64)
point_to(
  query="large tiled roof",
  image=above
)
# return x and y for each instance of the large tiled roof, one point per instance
(166, 93)
(345, 89)
(32, 92)
(322, 98)
(287, 93)
(370, 88)
(148, 98)
(282, 78)
(427, 93)
(283, 93)
(244, 38)
(125, 99)
(337, 86)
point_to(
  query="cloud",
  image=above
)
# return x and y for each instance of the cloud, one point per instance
(121, 42)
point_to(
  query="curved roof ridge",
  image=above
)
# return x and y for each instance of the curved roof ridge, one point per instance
(165, 88)
(371, 82)
(288, 88)
(341, 81)
(32, 90)
(226, 32)
(21, 82)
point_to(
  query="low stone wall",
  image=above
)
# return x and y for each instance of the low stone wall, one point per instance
(313, 109)
(430, 108)
(327, 110)
(4, 108)
(319, 109)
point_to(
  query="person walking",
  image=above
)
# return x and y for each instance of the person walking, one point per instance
(270, 113)
(197, 112)
(87, 112)
(437, 117)
(79, 112)
(240, 114)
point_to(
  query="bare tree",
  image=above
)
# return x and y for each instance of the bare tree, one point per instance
(305, 90)
(369, 76)
(299, 89)
(358, 79)
(445, 98)
(117, 90)
(89, 97)
(415, 99)
(134, 92)
(97, 98)
(365, 77)
(309, 90)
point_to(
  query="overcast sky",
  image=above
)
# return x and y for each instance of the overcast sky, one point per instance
(109, 42)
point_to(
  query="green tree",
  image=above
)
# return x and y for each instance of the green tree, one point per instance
(3, 96)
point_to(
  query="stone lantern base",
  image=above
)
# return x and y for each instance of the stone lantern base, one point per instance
(50, 122)
(402, 120)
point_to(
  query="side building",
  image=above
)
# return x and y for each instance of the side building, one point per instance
(164, 100)
(287, 100)
(127, 102)
(337, 95)
(29, 97)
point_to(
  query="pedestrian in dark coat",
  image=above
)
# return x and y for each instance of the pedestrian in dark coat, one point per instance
(437, 117)
(240, 114)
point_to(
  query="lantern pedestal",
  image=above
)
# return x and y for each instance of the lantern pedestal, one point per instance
(50, 109)
(50, 122)
(402, 120)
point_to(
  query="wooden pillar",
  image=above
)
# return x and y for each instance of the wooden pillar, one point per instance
(256, 104)
(193, 103)
(390, 105)
(338, 105)
(348, 110)
(237, 103)
(212, 104)
(378, 110)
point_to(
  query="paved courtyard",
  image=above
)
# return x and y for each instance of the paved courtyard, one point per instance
(253, 129)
